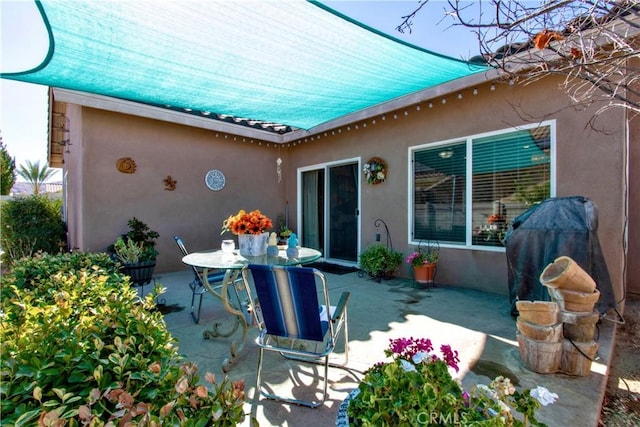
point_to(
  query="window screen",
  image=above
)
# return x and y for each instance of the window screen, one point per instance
(439, 193)
(508, 172)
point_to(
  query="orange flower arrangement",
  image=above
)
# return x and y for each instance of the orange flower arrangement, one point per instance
(253, 222)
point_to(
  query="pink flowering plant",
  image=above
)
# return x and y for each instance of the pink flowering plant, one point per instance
(425, 254)
(416, 388)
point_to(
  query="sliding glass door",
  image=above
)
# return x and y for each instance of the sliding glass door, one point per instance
(330, 210)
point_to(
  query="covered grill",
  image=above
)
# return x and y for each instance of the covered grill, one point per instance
(556, 227)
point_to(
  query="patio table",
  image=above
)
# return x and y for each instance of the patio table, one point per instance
(233, 263)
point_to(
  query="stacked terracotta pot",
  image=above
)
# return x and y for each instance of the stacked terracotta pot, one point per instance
(540, 335)
(576, 294)
(558, 335)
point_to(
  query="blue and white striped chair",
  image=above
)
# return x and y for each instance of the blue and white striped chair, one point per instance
(290, 318)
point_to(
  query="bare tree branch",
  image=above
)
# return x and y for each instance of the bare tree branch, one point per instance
(592, 43)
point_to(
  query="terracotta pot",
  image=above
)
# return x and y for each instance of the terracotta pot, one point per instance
(425, 273)
(552, 333)
(575, 301)
(538, 312)
(565, 273)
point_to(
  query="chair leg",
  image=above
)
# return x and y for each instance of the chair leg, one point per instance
(259, 375)
(310, 404)
(345, 332)
(194, 315)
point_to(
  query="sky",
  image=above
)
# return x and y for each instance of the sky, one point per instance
(23, 106)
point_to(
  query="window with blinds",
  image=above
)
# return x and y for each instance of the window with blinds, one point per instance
(468, 191)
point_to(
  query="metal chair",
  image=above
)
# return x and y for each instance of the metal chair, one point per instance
(290, 319)
(215, 278)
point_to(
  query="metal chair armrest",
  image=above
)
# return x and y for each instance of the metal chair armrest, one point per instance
(341, 307)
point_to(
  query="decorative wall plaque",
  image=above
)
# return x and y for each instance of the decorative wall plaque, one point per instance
(126, 165)
(170, 183)
(215, 180)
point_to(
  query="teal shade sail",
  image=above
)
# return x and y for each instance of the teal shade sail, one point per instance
(292, 62)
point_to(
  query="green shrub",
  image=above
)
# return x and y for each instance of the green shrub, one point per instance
(78, 347)
(31, 224)
(380, 261)
(32, 273)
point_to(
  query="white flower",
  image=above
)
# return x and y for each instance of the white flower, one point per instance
(543, 395)
(407, 366)
(380, 176)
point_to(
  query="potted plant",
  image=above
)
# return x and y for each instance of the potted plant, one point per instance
(250, 227)
(128, 252)
(380, 262)
(415, 387)
(424, 261)
(136, 251)
(283, 230)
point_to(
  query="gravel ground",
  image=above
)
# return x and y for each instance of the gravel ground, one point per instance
(621, 406)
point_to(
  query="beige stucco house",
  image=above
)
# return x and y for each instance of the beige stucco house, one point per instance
(322, 170)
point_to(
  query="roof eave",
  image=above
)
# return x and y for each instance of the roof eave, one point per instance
(102, 102)
(398, 103)
(158, 113)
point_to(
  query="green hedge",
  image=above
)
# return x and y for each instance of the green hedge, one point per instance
(31, 224)
(78, 347)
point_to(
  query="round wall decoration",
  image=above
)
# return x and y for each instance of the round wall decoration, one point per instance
(126, 165)
(375, 171)
(215, 180)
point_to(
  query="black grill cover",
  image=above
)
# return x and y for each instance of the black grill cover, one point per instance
(558, 226)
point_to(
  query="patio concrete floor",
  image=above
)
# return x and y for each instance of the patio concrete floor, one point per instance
(476, 324)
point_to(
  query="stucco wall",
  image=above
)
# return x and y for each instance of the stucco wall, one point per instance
(590, 163)
(110, 198)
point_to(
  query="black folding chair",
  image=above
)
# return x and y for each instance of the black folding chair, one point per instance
(215, 279)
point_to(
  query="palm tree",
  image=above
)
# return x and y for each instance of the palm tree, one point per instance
(35, 174)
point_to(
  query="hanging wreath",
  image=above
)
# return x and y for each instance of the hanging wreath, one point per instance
(375, 170)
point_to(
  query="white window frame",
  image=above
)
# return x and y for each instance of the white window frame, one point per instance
(468, 140)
